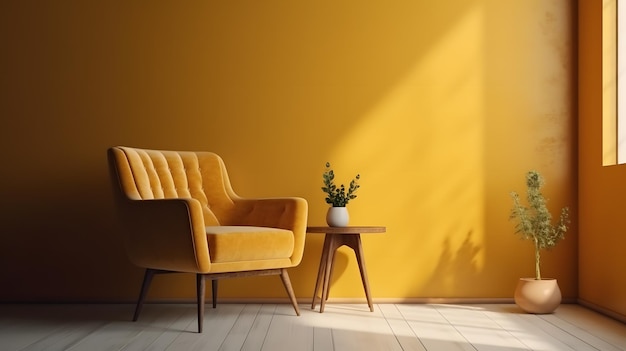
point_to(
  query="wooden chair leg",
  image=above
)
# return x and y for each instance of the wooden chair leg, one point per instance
(201, 287)
(287, 283)
(214, 292)
(147, 279)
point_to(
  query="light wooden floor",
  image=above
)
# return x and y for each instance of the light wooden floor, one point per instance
(275, 327)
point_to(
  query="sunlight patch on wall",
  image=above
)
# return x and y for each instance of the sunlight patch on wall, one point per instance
(609, 83)
(613, 83)
(420, 154)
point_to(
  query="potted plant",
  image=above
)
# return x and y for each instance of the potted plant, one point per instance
(538, 294)
(338, 197)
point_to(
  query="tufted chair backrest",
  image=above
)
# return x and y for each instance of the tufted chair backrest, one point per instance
(155, 174)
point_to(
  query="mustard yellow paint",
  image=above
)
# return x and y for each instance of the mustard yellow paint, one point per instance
(601, 191)
(441, 106)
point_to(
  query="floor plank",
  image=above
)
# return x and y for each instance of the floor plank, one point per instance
(241, 329)
(217, 324)
(354, 327)
(288, 332)
(529, 331)
(157, 333)
(478, 329)
(607, 329)
(258, 330)
(578, 337)
(407, 339)
(433, 329)
(180, 324)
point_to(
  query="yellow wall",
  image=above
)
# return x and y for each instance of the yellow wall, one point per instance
(441, 106)
(601, 188)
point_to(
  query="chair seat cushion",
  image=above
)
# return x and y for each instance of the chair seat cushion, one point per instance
(247, 243)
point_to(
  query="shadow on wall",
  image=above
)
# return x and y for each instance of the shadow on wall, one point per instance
(455, 270)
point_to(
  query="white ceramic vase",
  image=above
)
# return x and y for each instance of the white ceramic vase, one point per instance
(337, 217)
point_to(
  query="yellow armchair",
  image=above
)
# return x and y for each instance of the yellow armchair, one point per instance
(179, 213)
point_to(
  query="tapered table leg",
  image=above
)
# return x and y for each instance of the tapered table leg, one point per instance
(334, 242)
(358, 251)
(321, 270)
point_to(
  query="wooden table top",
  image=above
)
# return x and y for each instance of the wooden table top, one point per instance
(346, 230)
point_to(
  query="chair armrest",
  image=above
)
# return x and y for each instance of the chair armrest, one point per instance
(289, 213)
(166, 234)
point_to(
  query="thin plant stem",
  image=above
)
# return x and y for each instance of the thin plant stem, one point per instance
(537, 261)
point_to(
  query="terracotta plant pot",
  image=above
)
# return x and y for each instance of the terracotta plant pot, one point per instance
(538, 296)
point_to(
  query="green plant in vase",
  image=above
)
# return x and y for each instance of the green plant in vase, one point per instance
(338, 196)
(535, 221)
